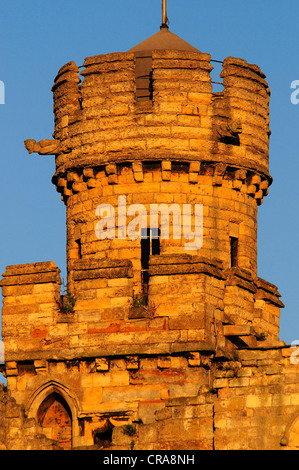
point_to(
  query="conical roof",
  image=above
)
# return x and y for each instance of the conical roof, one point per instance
(165, 40)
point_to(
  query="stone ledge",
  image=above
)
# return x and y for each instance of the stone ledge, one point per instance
(237, 330)
(192, 346)
(232, 162)
(101, 268)
(32, 273)
(268, 292)
(121, 350)
(162, 265)
(101, 263)
(241, 278)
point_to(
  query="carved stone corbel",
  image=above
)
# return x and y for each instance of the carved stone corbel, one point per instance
(43, 147)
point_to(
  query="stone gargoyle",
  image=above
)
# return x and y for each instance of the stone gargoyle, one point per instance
(43, 147)
(229, 132)
(229, 129)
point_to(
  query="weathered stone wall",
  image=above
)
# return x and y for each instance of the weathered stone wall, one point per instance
(30, 299)
(190, 299)
(199, 364)
(226, 212)
(17, 432)
(2, 419)
(204, 402)
(257, 401)
(115, 365)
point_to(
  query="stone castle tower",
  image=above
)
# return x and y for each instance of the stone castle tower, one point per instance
(153, 346)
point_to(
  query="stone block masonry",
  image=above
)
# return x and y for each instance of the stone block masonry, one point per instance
(152, 346)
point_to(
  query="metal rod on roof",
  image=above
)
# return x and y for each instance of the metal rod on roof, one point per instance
(164, 15)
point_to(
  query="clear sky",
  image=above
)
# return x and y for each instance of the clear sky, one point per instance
(37, 37)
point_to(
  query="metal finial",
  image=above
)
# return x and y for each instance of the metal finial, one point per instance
(164, 15)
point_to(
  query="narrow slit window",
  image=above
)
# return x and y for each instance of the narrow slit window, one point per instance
(144, 78)
(234, 251)
(150, 245)
(79, 248)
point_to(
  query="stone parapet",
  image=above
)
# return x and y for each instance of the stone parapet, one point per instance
(32, 273)
(31, 293)
(171, 264)
(92, 268)
(99, 119)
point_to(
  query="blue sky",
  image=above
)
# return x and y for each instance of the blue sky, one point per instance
(37, 37)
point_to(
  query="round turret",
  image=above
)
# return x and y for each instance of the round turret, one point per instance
(146, 125)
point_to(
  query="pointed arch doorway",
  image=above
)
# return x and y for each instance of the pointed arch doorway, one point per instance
(55, 420)
(55, 407)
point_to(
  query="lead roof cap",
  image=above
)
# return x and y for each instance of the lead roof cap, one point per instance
(163, 40)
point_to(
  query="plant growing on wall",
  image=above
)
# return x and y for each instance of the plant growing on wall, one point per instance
(66, 301)
(130, 430)
(139, 299)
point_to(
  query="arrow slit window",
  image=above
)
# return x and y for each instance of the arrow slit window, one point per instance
(144, 77)
(150, 245)
(233, 252)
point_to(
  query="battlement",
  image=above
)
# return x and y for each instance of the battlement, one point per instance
(152, 106)
(190, 300)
